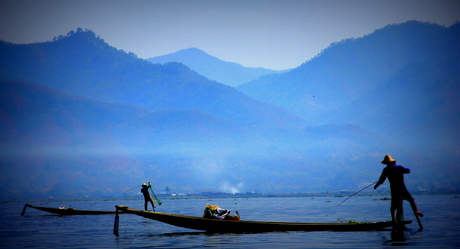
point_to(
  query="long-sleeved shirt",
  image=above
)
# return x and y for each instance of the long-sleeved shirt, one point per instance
(395, 174)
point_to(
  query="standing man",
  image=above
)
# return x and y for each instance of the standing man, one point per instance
(395, 176)
(147, 197)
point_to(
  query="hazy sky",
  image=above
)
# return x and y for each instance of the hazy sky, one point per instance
(275, 34)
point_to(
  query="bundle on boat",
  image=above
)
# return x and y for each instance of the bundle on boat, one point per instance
(215, 212)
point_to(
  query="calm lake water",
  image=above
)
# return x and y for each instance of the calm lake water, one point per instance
(38, 229)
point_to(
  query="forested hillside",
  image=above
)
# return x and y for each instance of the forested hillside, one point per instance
(401, 81)
(83, 64)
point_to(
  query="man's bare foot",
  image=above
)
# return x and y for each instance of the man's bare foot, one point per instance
(419, 213)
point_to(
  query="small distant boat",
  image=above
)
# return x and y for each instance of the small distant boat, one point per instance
(67, 211)
(234, 226)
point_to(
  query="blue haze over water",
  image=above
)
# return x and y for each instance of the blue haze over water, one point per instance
(38, 229)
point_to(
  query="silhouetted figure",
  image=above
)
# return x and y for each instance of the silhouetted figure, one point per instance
(147, 197)
(395, 176)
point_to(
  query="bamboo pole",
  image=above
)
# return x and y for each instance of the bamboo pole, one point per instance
(400, 211)
(116, 222)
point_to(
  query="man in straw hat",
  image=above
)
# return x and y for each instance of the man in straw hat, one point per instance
(395, 176)
(147, 197)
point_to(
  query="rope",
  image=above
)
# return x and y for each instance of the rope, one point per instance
(358, 192)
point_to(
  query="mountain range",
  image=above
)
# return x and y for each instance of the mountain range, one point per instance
(81, 118)
(401, 82)
(228, 73)
(84, 65)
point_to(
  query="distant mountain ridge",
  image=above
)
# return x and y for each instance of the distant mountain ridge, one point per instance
(229, 73)
(400, 82)
(84, 65)
(348, 69)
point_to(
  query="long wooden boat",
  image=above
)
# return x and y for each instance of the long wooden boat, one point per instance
(215, 225)
(67, 211)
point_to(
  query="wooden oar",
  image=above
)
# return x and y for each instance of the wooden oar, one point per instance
(24, 210)
(418, 219)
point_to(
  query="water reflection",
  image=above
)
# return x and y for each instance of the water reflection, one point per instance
(400, 237)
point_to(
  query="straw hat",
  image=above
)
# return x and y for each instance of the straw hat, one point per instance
(388, 159)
